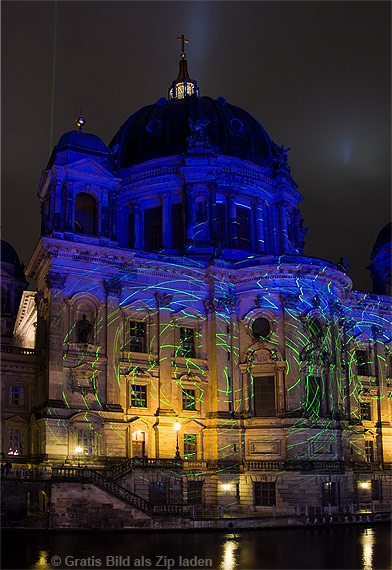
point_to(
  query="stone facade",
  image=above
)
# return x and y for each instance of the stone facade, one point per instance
(186, 348)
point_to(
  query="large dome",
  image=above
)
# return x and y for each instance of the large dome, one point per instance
(163, 129)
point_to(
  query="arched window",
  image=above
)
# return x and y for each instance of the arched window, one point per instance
(243, 228)
(86, 214)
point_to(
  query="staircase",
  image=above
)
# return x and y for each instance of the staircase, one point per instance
(91, 476)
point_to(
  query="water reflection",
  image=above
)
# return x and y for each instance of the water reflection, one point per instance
(229, 557)
(367, 543)
(42, 561)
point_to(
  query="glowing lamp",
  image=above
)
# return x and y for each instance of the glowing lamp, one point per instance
(177, 426)
(365, 484)
(226, 487)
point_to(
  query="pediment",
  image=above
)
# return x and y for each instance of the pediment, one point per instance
(88, 166)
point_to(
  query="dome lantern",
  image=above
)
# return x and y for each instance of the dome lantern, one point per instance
(183, 85)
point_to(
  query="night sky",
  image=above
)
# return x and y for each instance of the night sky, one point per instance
(316, 75)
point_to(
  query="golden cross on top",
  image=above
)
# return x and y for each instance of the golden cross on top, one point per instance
(183, 42)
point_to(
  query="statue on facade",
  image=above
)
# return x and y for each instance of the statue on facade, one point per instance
(84, 329)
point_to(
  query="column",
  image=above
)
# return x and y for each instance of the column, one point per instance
(233, 222)
(58, 206)
(213, 219)
(137, 224)
(259, 233)
(165, 343)
(189, 211)
(284, 239)
(166, 221)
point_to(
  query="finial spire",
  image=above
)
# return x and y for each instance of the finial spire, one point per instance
(183, 42)
(183, 85)
(80, 121)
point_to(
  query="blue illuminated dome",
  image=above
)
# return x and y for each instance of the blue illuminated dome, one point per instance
(163, 129)
(78, 142)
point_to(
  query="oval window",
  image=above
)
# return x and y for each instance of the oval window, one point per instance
(261, 328)
(154, 126)
(236, 125)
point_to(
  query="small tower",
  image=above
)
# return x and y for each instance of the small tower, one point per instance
(183, 85)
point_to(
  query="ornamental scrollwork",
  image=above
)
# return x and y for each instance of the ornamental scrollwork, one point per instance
(55, 280)
(163, 300)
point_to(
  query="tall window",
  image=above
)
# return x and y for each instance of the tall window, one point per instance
(15, 441)
(157, 492)
(243, 228)
(190, 448)
(376, 490)
(86, 441)
(369, 451)
(16, 396)
(366, 411)
(138, 395)
(264, 396)
(313, 395)
(86, 214)
(137, 336)
(363, 364)
(153, 228)
(221, 224)
(187, 342)
(177, 226)
(189, 399)
(330, 494)
(195, 492)
(264, 494)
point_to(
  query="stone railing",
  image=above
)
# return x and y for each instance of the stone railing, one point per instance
(17, 350)
(264, 465)
(144, 462)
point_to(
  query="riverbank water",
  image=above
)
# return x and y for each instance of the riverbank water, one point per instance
(359, 547)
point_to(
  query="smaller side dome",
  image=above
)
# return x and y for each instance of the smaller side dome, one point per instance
(81, 143)
(78, 140)
(8, 254)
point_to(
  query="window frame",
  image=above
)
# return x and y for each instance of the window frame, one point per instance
(133, 347)
(132, 398)
(262, 493)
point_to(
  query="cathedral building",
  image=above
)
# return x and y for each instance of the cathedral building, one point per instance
(186, 349)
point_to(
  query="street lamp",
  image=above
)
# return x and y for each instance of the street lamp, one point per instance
(177, 426)
(78, 451)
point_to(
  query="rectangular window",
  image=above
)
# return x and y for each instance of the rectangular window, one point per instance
(363, 364)
(195, 492)
(86, 441)
(131, 230)
(15, 441)
(264, 396)
(177, 226)
(330, 494)
(369, 451)
(138, 396)
(187, 343)
(188, 399)
(221, 224)
(264, 494)
(16, 396)
(313, 395)
(243, 228)
(137, 336)
(153, 228)
(157, 492)
(190, 448)
(366, 411)
(376, 490)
